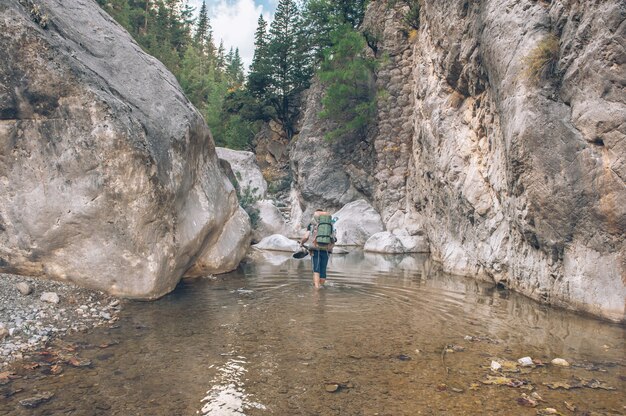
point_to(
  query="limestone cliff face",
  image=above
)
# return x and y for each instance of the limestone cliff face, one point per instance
(511, 180)
(108, 175)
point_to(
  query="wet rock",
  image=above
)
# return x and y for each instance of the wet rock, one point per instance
(525, 361)
(50, 297)
(548, 411)
(277, 242)
(526, 401)
(24, 288)
(331, 387)
(560, 362)
(495, 366)
(35, 401)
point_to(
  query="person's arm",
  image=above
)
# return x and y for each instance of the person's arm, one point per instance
(305, 238)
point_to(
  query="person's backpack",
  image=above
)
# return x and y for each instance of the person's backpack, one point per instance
(323, 234)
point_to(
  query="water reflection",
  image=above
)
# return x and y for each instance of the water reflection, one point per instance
(227, 396)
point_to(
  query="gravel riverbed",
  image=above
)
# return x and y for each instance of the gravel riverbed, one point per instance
(35, 311)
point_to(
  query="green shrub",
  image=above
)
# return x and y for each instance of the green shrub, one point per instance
(247, 198)
(412, 17)
(541, 63)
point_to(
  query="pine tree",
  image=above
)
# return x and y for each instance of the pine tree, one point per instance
(350, 96)
(322, 17)
(289, 64)
(258, 78)
(203, 28)
(220, 63)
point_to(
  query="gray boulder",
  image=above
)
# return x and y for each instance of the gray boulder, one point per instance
(246, 170)
(109, 175)
(356, 223)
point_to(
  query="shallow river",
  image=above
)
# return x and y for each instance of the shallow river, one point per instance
(390, 335)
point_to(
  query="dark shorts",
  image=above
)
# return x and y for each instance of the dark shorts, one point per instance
(319, 258)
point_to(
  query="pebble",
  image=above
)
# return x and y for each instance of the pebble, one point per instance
(525, 361)
(560, 362)
(27, 322)
(50, 297)
(24, 288)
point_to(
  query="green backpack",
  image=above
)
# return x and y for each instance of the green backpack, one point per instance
(324, 233)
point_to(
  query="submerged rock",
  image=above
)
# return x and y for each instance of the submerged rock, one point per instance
(35, 401)
(109, 174)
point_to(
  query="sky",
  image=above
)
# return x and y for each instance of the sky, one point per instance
(235, 21)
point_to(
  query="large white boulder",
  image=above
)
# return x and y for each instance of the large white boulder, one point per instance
(387, 242)
(277, 242)
(357, 222)
(246, 170)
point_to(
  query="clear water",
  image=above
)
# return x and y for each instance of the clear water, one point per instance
(263, 341)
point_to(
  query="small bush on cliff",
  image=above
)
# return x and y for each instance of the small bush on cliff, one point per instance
(412, 16)
(350, 98)
(247, 199)
(541, 63)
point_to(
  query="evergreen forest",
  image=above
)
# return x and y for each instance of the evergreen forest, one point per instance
(306, 39)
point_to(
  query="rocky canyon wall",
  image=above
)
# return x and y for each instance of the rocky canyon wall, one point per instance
(512, 180)
(108, 175)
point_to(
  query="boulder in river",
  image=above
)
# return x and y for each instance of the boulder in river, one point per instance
(277, 242)
(108, 175)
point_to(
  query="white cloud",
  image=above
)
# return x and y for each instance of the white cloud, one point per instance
(234, 22)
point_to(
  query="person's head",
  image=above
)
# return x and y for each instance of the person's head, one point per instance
(317, 213)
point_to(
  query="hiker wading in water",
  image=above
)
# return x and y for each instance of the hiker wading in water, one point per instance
(323, 239)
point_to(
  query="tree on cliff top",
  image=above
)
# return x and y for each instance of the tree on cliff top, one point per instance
(348, 75)
(287, 64)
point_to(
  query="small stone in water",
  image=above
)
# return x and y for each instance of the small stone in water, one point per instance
(331, 387)
(495, 366)
(560, 362)
(37, 400)
(525, 361)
